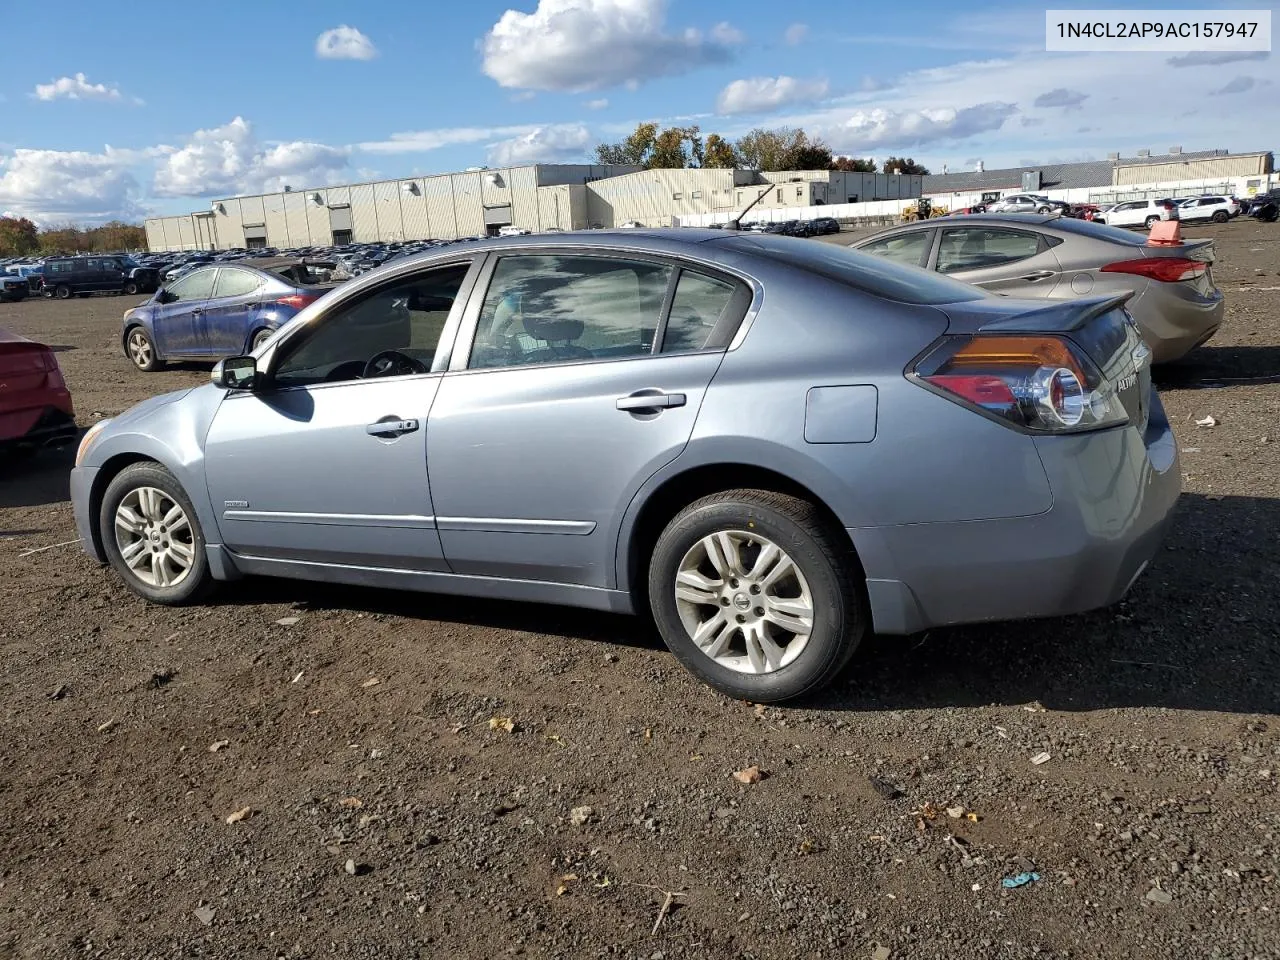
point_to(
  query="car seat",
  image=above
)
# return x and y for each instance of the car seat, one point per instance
(558, 335)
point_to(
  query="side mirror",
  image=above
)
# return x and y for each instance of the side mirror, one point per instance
(235, 373)
(164, 296)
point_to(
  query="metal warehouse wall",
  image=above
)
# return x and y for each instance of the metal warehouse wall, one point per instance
(1242, 165)
(656, 197)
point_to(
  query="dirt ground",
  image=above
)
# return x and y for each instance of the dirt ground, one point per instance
(387, 817)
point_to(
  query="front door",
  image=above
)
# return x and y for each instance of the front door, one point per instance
(1014, 263)
(541, 436)
(178, 323)
(326, 462)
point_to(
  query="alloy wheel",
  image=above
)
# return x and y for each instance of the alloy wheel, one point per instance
(744, 602)
(140, 351)
(154, 536)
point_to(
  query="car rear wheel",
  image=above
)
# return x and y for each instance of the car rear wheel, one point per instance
(142, 351)
(755, 594)
(1221, 216)
(62, 292)
(1151, 221)
(152, 537)
(131, 288)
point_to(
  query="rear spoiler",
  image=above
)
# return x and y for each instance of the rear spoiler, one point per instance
(1057, 317)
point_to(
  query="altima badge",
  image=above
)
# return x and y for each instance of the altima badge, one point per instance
(235, 504)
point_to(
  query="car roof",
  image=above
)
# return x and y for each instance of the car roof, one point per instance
(1008, 219)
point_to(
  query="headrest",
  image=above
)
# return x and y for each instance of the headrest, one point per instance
(552, 330)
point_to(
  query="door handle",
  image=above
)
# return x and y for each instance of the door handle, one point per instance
(391, 427)
(651, 401)
(1037, 275)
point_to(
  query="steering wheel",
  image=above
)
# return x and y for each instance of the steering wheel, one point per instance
(392, 363)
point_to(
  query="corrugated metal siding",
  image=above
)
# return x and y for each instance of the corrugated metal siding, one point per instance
(437, 194)
(230, 225)
(467, 196)
(364, 218)
(654, 197)
(413, 211)
(318, 232)
(295, 214)
(387, 208)
(555, 174)
(277, 225)
(155, 235)
(1246, 165)
(523, 194)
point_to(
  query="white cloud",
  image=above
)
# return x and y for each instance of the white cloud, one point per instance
(52, 186)
(78, 88)
(1215, 58)
(726, 33)
(345, 43)
(230, 159)
(760, 94)
(554, 143)
(913, 128)
(796, 34)
(598, 104)
(421, 141)
(580, 45)
(523, 96)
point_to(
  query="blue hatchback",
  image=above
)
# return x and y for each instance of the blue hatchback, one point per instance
(219, 310)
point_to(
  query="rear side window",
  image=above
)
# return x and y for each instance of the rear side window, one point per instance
(699, 303)
(909, 248)
(234, 283)
(973, 248)
(873, 275)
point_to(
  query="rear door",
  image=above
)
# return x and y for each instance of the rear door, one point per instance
(578, 375)
(111, 274)
(229, 315)
(1003, 260)
(177, 324)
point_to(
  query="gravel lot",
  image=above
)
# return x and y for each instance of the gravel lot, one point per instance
(389, 817)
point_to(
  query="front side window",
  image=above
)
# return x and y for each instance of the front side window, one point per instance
(700, 301)
(972, 248)
(552, 309)
(391, 331)
(196, 285)
(235, 283)
(909, 248)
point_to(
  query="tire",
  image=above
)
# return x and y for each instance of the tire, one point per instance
(62, 292)
(826, 584)
(1043, 210)
(141, 350)
(259, 339)
(1221, 216)
(159, 550)
(1151, 221)
(131, 288)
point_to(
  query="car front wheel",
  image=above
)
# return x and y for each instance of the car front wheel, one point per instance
(142, 351)
(1152, 221)
(62, 292)
(131, 288)
(756, 594)
(152, 536)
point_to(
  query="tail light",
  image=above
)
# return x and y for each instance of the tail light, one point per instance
(1043, 384)
(297, 300)
(1164, 269)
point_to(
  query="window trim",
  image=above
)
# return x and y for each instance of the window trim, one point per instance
(726, 335)
(475, 261)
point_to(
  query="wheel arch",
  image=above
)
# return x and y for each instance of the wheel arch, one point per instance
(653, 509)
(110, 469)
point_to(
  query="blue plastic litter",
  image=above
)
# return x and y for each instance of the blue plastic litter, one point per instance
(1020, 880)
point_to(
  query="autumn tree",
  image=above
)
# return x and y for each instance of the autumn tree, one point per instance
(677, 147)
(719, 152)
(904, 166)
(17, 237)
(853, 165)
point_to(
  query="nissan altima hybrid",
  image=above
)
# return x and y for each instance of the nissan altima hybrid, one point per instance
(768, 445)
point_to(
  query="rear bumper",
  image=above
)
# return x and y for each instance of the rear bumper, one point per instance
(1174, 320)
(1114, 493)
(37, 427)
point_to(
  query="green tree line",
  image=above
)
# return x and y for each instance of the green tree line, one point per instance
(19, 237)
(653, 147)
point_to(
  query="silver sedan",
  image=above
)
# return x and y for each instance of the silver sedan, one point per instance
(1174, 298)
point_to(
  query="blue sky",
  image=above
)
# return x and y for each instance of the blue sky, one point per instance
(157, 107)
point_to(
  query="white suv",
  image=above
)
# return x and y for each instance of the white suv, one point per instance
(1138, 213)
(1217, 209)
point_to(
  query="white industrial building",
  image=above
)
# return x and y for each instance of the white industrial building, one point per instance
(481, 201)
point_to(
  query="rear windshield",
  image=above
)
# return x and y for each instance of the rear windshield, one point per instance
(1099, 231)
(863, 271)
